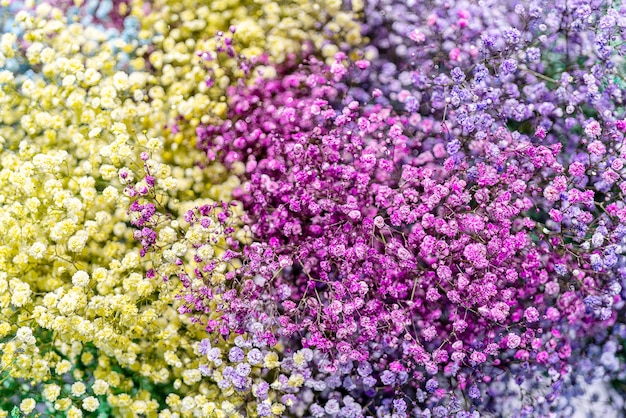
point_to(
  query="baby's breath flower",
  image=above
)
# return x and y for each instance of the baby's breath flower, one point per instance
(25, 335)
(27, 405)
(80, 279)
(63, 367)
(100, 387)
(51, 392)
(90, 404)
(62, 404)
(74, 412)
(78, 389)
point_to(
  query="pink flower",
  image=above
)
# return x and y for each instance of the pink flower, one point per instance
(556, 215)
(417, 36)
(597, 148)
(540, 132)
(551, 193)
(593, 129)
(542, 357)
(475, 254)
(553, 314)
(577, 169)
(355, 215)
(478, 357)
(531, 314)
(513, 341)
(362, 64)
(454, 54)
(610, 176)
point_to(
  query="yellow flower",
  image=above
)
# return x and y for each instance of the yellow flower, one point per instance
(86, 358)
(295, 380)
(78, 389)
(271, 361)
(173, 401)
(25, 335)
(27, 405)
(100, 387)
(62, 404)
(63, 367)
(5, 328)
(51, 392)
(278, 409)
(80, 278)
(90, 404)
(74, 412)
(298, 359)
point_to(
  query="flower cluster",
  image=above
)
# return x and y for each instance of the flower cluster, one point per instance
(235, 208)
(85, 109)
(466, 224)
(377, 255)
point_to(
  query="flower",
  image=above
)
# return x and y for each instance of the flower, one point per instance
(28, 405)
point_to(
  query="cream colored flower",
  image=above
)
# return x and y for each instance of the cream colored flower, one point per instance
(28, 405)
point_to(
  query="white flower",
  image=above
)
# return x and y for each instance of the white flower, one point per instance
(28, 405)
(25, 335)
(80, 279)
(90, 404)
(37, 250)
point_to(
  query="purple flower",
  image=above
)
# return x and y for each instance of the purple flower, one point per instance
(332, 407)
(254, 356)
(264, 409)
(411, 104)
(388, 378)
(204, 346)
(236, 355)
(399, 405)
(508, 66)
(533, 54)
(474, 392)
(458, 76)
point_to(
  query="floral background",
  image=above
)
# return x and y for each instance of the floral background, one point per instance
(312, 208)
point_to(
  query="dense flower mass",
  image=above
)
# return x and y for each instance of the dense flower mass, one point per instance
(312, 208)
(371, 237)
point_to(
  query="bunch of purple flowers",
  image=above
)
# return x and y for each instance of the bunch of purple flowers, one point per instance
(438, 233)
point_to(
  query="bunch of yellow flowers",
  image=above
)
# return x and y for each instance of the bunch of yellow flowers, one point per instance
(279, 28)
(82, 330)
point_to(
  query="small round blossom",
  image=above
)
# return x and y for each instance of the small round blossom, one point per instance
(27, 405)
(254, 356)
(513, 341)
(74, 412)
(63, 367)
(25, 335)
(576, 169)
(51, 392)
(597, 148)
(78, 389)
(387, 378)
(593, 129)
(80, 279)
(531, 314)
(90, 404)
(236, 355)
(100, 387)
